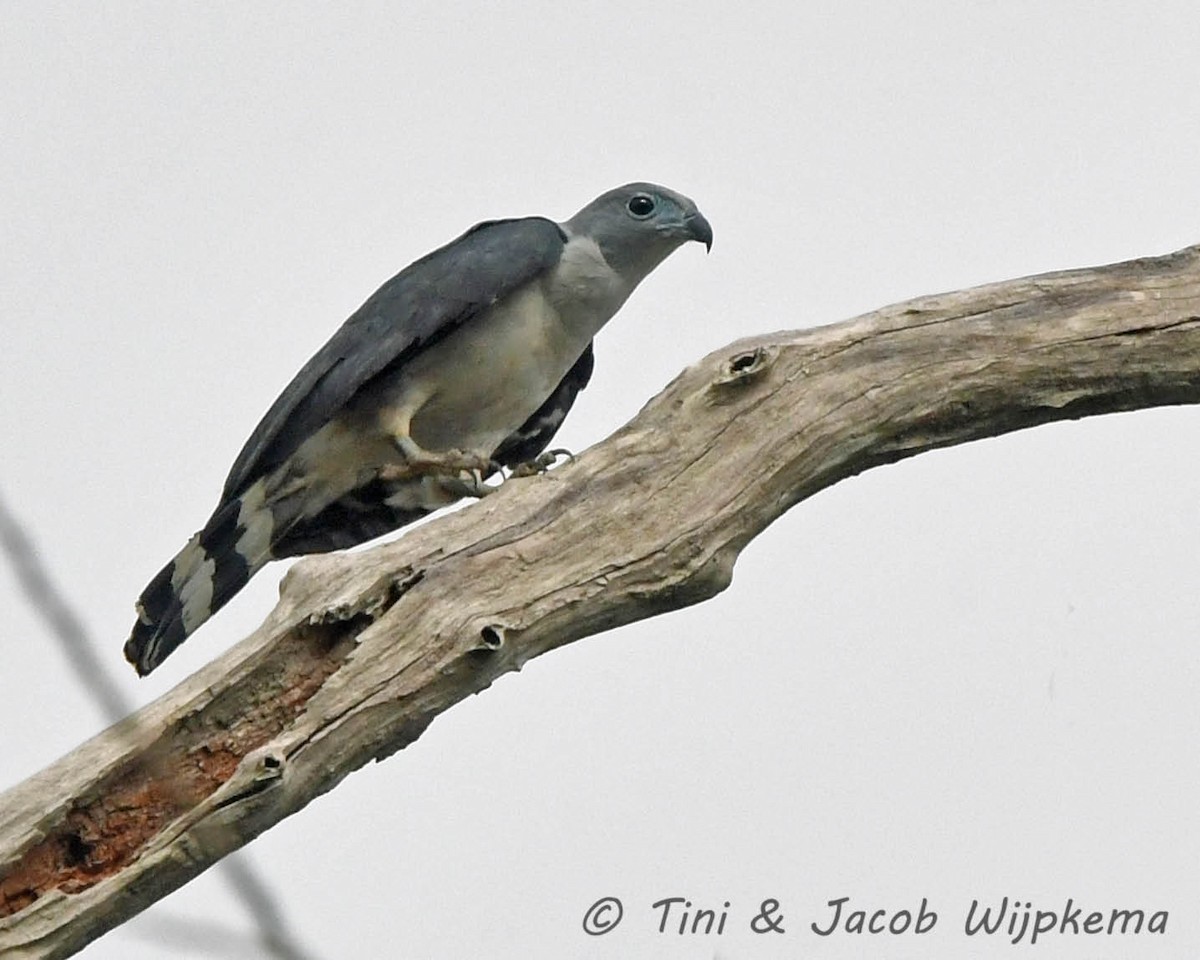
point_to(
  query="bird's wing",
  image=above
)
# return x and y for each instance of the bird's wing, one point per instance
(416, 307)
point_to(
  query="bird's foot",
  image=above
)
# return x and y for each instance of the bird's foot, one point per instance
(418, 460)
(462, 483)
(541, 463)
(458, 472)
(467, 484)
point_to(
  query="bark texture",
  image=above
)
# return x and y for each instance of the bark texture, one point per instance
(363, 651)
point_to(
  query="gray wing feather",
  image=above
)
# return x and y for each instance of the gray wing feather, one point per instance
(422, 303)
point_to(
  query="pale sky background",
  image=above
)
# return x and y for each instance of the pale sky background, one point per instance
(969, 675)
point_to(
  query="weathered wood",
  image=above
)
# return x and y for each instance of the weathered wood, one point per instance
(363, 651)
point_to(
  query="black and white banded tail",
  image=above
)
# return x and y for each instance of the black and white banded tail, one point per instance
(216, 563)
(241, 537)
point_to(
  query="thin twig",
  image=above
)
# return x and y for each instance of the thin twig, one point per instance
(46, 600)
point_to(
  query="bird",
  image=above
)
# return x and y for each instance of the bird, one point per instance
(462, 364)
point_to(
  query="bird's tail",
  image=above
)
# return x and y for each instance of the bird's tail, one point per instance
(241, 537)
(216, 563)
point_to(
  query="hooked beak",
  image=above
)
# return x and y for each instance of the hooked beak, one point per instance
(699, 229)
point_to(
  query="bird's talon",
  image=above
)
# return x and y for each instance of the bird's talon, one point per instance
(542, 462)
(420, 461)
(468, 483)
(556, 453)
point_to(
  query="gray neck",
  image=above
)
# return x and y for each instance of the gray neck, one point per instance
(586, 288)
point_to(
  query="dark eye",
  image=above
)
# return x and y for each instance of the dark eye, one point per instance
(641, 205)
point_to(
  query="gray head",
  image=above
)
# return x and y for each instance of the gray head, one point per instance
(636, 226)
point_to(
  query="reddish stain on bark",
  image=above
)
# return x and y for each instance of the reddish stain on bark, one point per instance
(102, 833)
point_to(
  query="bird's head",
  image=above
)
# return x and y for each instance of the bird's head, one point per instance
(638, 225)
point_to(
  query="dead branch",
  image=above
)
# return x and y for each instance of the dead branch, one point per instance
(95, 676)
(364, 650)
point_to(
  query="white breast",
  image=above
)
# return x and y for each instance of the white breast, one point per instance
(477, 385)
